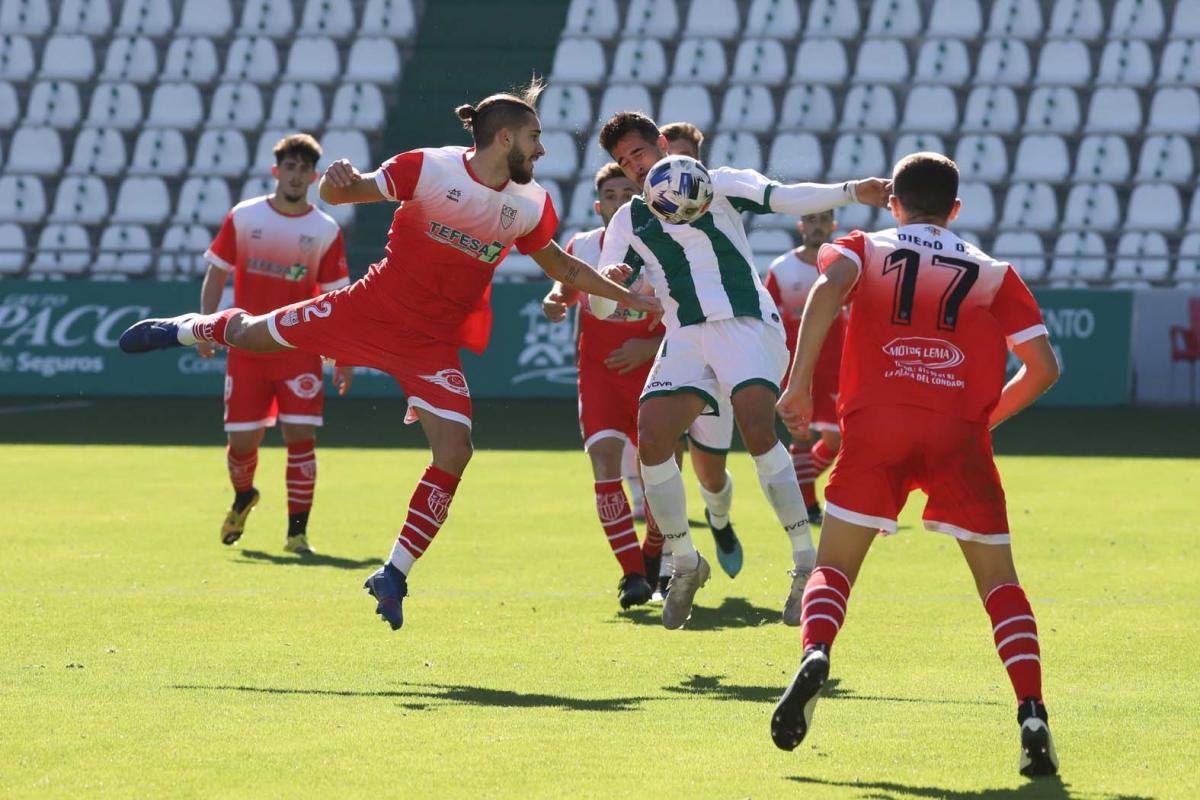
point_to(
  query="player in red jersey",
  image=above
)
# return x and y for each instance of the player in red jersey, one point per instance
(461, 210)
(789, 280)
(614, 359)
(922, 384)
(280, 249)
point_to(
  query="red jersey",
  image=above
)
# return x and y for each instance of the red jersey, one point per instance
(447, 238)
(600, 337)
(931, 321)
(789, 280)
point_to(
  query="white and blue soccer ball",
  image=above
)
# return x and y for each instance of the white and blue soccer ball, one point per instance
(678, 190)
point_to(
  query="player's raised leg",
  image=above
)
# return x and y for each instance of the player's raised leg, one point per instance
(232, 327)
(616, 519)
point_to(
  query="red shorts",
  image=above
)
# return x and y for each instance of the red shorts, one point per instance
(259, 388)
(887, 451)
(344, 325)
(608, 402)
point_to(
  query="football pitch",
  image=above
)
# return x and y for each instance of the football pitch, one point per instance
(141, 658)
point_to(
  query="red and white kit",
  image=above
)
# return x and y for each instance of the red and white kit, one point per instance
(276, 259)
(927, 343)
(410, 314)
(789, 280)
(608, 400)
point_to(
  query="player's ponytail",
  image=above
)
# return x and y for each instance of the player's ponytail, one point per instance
(467, 112)
(489, 115)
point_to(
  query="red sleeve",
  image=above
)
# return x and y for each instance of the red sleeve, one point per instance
(332, 272)
(542, 233)
(1016, 310)
(223, 250)
(570, 246)
(772, 287)
(852, 246)
(397, 177)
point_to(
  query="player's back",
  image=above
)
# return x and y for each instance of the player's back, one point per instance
(929, 320)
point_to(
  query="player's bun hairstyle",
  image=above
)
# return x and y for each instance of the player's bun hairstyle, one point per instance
(687, 132)
(487, 117)
(607, 173)
(926, 184)
(627, 122)
(298, 144)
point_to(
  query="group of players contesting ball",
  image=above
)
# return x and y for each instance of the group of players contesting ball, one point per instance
(908, 328)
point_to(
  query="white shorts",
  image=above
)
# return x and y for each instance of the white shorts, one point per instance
(714, 432)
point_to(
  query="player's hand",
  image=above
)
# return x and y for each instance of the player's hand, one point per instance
(643, 302)
(341, 174)
(554, 306)
(873, 191)
(795, 408)
(632, 355)
(342, 378)
(617, 273)
(205, 350)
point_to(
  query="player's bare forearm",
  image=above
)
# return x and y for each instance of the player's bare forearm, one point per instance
(1039, 371)
(342, 184)
(211, 289)
(569, 294)
(578, 275)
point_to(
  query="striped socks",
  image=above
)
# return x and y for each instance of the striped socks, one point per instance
(427, 510)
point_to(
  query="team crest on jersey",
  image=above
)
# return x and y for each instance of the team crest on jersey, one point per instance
(438, 504)
(306, 243)
(507, 215)
(451, 380)
(610, 506)
(305, 386)
(290, 318)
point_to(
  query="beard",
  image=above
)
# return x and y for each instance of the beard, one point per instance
(292, 198)
(520, 167)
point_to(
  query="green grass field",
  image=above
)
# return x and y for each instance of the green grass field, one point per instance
(140, 658)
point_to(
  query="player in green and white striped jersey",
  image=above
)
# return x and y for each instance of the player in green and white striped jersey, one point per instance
(724, 336)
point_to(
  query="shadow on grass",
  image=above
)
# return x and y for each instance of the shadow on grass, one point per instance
(1050, 788)
(314, 560)
(734, 612)
(713, 687)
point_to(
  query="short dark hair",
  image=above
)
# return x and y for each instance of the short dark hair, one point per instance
(926, 184)
(505, 110)
(301, 145)
(686, 131)
(607, 173)
(627, 122)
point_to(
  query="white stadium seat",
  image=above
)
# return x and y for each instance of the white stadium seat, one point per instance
(1021, 19)
(10, 109)
(796, 157)
(12, 249)
(882, 61)
(1076, 19)
(564, 108)
(760, 61)
(53, 103)
(92, 17)
(22, 199)
(1022, 249)
(205, 18)
(820, 61)
(624, 97)
(1052, 109)
(68, 56)
(115, 105)
(98, 151)
(578, 61)
(583, 212)
(1079, 256)
(1137, 19)
(315, 58)
(871, 108)
(1127, 62)
(1180, 63)
(700, 61)
(298, 106)
(943, 61)
(639, 61)
(775, 18)
(16, 58)
(36, 151)
(982, 157)
(1064, 62)
(1142, 256)
(740, 150)
(852, 217)
(251, 59)
(264, 153)
(991, 109)
(125, 250)
(258, 186)
(327, 18)
(598, 19)
(1154, 206)
(375, 60)
(146, 18)
(833, 18)
(747, 108)
(183, 248)
(955, 18)
(191, 59)
(62, 250)
(176, 105)
(978, 211)
(774, 241)
(717, 18)
(808, 108)
(25, 16)
(1186, 21)
(686, 103)
(360, 105)
(203, 200)
(132, 59)
(1030, 206)
(1165, 158)
(555, 192)
(856, 155)
(1042, 157)
(80, 199)
(1102, 158)
(1114, 109)
(1175, 110)
(652, 18)
(159, 151)
(894, 18)
(1187, 269)
(347, 144)
(343, 215)
(1193, 222)
(562, 156)
(392, 18)
(1004, 61)
(236, 105)
(1092, 206)
(909, 143)
(220, 151)
(930, 108)
(144, 200)
(266, 18)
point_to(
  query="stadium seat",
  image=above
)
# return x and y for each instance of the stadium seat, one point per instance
(22, 199)
(717, 18)
(205, 18)
(596, 19)
(132, 59)
(62, 250)
(760, 61)
(298, 106)
(80, 198)
(1042, 157)
(1079, 256)
(146, 18)
(1030, 206)
(1024, 250)
(220, 151)
(98, 151)
(360, 105)
(1186, 21)
(991, 109)
(1175, 110)
(624, 97)
(10, 109)
(578, 61)
(115, 105)
(1137, 19)
(183, 248)
(639, 61)
(747, 108)
(943, 61)
(124, 250)
(251, 59)
(1193, 222)
(36, 151)
(820, 61)
(982, 157)
(12, 249)
(958, 18)
(1102, 158)
(16, 58)
(143, 200)
(69, 57)
(978, 211)
(1187, 268)
(159, 151)
(1142, 256)
(266, 18)
(565, 108)
(852, 217)
(1127, 62)
(92, 17)
(837, 19)
(256, 186)
(1114, 109)
(775, 241)
(191, 59)
(686, 103)
(1076, 19)
(856, 155)
(392, 18)
(796, 157)
(343, 215)
(374, 60)
(739, 150)
(264, 153)
(700, 61)
(176, 105)
(235, 105)
(1165, 158)
(1020, 19)
(327, 18)
(870, 108)
(352, 145)
(203, 200)
(1180, 63)
(53, 103)
(555, 193)
(652, 18)
(909, 143)
(808, 108)
(882, 61)
(1154, 207)
(582, 213)
(775, 18)
(1004, 61)
(894, 18)
(562, 156)
(1052, 109)
(315, 59)
(1092, 206)
(25, 16)
(930, 108)
(1064, 62)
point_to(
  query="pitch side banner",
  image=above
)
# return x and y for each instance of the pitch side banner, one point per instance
(1166, 347)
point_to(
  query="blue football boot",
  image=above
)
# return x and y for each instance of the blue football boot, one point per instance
(154, 334)
(389, 587)
(729, 549)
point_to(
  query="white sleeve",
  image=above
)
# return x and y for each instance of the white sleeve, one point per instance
(617, 238)
(798, 199)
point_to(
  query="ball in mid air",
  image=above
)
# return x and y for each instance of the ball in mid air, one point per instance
(678, 190)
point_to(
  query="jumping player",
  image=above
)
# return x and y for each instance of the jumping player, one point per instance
(461, 210)
(280, 249)
(922, 384)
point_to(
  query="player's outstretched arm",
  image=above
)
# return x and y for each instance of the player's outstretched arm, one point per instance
(1039, 371)
(570, 271)
(799, 199)
(342, 183)
(558, 300)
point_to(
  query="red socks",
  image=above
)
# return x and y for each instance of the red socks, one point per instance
(806, 474)
(301, 475)
(825, 599)
(821, 457)
(241, 468)
(211, 327)
(652, 547)
(616, 517)
(1015, 632)
(427, 510)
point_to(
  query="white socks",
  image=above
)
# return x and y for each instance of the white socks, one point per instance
(401, 558)
(184, 333)
(718, 503)
(668, 502)
(777, 477)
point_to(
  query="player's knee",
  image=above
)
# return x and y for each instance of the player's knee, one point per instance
(654, 446)
(455, 454)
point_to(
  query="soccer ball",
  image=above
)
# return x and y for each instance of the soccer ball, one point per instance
(678, 190)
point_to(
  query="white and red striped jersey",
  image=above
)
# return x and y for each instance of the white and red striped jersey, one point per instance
(600, 337)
